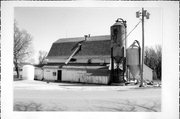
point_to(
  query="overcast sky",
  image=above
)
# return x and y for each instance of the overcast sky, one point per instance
(48, 24)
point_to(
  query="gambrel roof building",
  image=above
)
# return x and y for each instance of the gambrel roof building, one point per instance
(80, 60)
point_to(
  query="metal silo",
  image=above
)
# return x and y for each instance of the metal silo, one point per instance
(117, 39)
(133, 58)
(118, 35)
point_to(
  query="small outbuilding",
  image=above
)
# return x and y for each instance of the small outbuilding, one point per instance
(147, 74)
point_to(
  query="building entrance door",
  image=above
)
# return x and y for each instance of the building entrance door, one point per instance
(59, 75)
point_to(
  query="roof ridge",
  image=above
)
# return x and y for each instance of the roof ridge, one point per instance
(76, 39)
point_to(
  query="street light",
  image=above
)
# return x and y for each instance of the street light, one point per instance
(142, 14)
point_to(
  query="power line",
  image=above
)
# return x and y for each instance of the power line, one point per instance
(133, 28)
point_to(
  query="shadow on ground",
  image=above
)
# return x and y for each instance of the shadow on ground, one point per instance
(32, 106)
(122, 106)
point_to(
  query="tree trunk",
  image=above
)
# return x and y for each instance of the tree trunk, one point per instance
(17, 70)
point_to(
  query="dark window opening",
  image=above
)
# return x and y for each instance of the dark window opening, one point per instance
(54, 73)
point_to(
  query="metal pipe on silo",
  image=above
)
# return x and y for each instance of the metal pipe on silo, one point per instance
(126, 69)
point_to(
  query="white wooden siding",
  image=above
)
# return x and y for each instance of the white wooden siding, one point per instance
(48, 74)
(83, 76)
(38, 73)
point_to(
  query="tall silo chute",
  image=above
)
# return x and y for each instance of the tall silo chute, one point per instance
(77, 48)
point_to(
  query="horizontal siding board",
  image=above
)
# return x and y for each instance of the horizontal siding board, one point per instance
(84, 76)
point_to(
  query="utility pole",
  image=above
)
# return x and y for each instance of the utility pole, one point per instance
(142, 70)
(143, 14)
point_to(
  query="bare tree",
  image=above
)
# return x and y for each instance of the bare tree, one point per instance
(153, 58)
(159, 60)
(42, 57)
(22, 46)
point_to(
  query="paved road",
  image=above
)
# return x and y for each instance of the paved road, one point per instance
(40, 96)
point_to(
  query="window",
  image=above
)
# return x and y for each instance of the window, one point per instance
(89, 61)
(54, 73)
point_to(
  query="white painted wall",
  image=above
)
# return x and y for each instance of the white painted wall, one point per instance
(38, 73)
(82, 76)
(148, 73)
(48, 74)
(78, 74)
